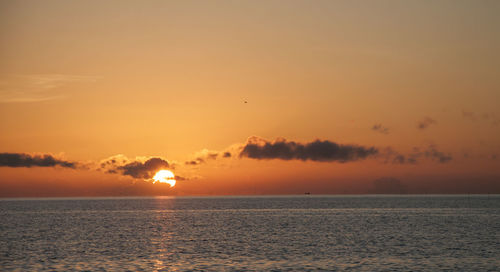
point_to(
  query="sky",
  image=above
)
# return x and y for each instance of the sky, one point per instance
(249, 97)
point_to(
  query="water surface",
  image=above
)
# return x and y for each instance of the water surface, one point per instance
(360, 233)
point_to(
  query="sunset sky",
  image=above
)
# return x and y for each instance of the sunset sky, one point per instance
(249, 97)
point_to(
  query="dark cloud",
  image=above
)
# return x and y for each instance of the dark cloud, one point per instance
(318, 150)
(180, 178)
(27, 160)
(145, 169)
(425, 123)
(196, 161)
(135, 168)
(380, 128)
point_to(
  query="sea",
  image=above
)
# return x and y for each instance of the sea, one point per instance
(252, 233)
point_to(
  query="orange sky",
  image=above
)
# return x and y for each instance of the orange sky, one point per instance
(83, 81)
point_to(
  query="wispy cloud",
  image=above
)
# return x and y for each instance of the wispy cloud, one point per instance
(206, 155)
(425, 123)
(37, 88)
(380, 128)
(203, 156)
(430, 152)
(486, 116)
(434, 154)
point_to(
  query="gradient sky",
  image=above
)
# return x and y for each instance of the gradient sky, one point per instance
(83, 81)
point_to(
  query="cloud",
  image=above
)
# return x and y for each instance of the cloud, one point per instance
(487, 117)
(206, 155)
(430, 152)
(140, 168)
(389, 155)
(144, 170)
(180, 178)
(380, 128)
(434, 154)
(27, 160)
(196, 161)
(325, 151)
(425, 123)
(37, 88)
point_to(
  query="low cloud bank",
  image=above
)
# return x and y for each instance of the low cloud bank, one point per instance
(389, 185)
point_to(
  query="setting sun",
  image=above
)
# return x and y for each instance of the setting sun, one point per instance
(165, 176)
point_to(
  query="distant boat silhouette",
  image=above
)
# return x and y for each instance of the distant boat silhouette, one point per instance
(307, 193)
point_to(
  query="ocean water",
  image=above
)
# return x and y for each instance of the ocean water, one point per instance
(321, 233)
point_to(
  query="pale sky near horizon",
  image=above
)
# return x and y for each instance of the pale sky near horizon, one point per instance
(87, 80)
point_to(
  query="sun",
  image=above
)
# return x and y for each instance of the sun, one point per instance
(165, 176)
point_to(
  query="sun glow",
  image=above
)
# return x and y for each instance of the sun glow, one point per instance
(165, 176)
